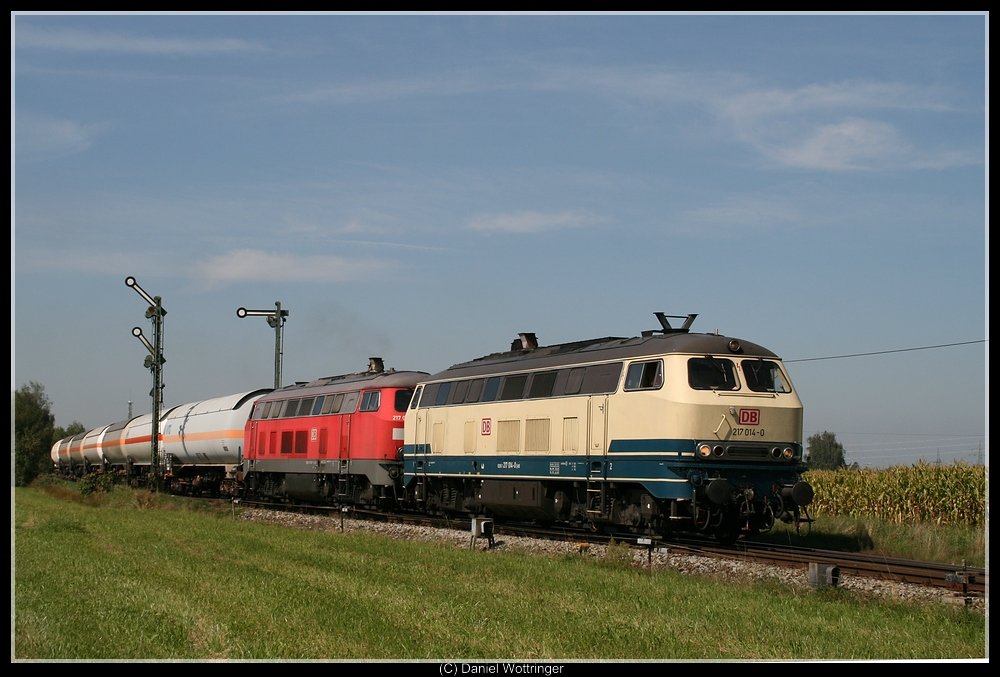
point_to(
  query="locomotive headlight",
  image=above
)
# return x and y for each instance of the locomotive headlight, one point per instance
(704, 450)
(788, 453)
(776, 452)
(734, 346)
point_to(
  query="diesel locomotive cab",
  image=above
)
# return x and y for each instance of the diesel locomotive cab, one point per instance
(753, 431)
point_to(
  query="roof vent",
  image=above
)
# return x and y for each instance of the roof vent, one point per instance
(524, 341)
(375, 365)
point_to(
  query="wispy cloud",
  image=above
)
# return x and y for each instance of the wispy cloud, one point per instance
(448, 84)
(530, 221)
(853, 143)
(42, 136)
(832, 126)
(252, 265)
(28, 36)
(840, 126)
(843, 125)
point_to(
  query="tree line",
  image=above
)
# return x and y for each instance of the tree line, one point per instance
(35, 432)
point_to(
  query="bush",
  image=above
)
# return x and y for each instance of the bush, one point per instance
(96, 482)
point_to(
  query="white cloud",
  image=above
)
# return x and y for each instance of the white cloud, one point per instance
(252, 265)
(849, 144)
(848, 95)
(530, 221)
(833, 126)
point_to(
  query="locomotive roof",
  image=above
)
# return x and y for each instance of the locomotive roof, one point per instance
(389, 378)
(603, 349)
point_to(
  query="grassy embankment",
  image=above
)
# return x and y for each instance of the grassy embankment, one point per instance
(130, 575)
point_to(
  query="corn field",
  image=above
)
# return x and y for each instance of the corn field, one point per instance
(939, 494)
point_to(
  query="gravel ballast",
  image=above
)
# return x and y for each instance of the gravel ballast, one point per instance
(740, 571)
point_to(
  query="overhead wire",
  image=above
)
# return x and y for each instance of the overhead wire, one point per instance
(928, 447)
(885, 352)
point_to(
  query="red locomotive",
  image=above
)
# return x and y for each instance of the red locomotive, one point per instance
(337, 439)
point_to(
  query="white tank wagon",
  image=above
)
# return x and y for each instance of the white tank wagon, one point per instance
(93, 452)
(72, 455)
(132, 449)
(202, 442)
(60, 456)
(54, 455)
(112, 446)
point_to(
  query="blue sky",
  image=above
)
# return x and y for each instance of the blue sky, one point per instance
(422, 188)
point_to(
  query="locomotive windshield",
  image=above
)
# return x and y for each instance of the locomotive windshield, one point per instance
(764, 376)
(403, 399)
(712, 373)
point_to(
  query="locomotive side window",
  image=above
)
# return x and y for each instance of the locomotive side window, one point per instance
(415, 401)
(764, 376)
(263, 410)
(475, 390)
(491, 389)
(350, 403)
(338, 402)
(442, 393)
(318, 407)
(429, 396)
(289, 408)
(644, 375)
(574, 381)
(513, 387)
(459, 392)
(601, 378)
(402, 399)
(712, 373)
(371, 400)
(305, 406)
(542, 384)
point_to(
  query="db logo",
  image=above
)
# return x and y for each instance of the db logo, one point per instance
(749, 416)
(487, 427)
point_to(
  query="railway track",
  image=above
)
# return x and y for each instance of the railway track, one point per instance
(963, 581)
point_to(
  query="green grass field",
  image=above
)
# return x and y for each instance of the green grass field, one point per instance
(128, 575)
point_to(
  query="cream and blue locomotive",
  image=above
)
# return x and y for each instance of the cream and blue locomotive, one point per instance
(669, 431)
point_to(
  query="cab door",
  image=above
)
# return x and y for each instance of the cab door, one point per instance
(597, 434)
